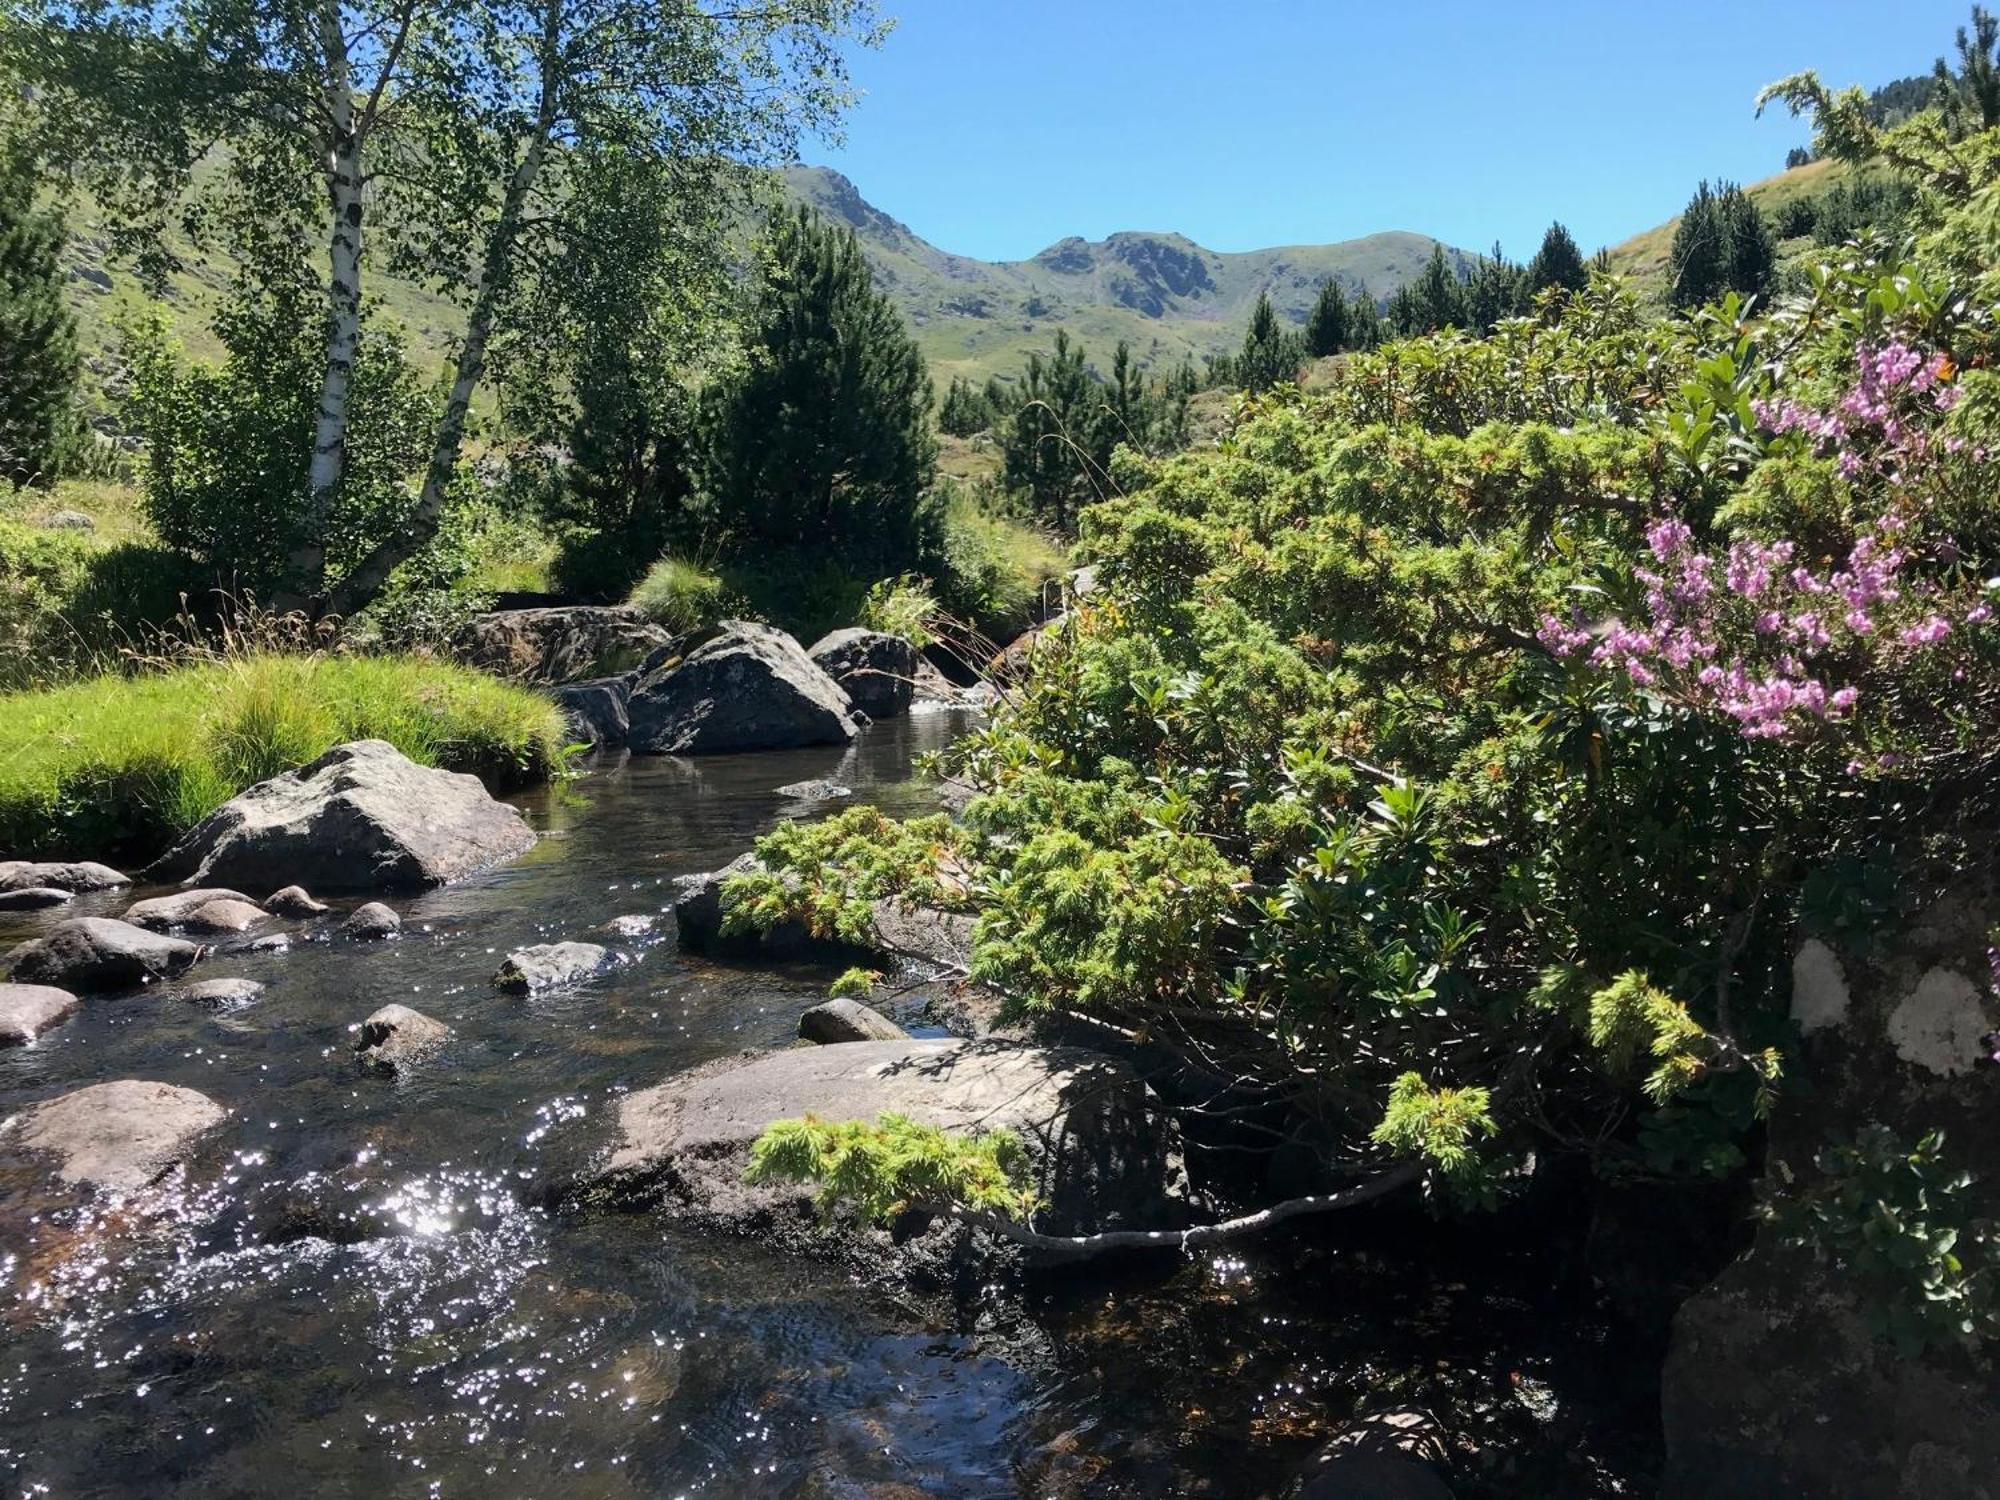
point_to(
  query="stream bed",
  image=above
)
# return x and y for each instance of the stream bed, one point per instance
(357, 1294)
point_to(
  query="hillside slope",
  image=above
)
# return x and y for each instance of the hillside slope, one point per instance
(1166, 295)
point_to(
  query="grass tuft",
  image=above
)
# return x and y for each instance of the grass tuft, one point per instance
(119, 766)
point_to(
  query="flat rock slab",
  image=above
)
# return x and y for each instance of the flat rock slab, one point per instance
(878, 671)
(362, 817)
(559, 643)
(1102, 1156)
(839, 1021)
(34, 897)
(75, 876)
(546, 966)
(396, 1037)
(100, 953)
(161, 913)
(746, 687)
(28, 1010)
(120, 1136)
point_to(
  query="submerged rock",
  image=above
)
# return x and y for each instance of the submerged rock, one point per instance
(544, 966)
(220, 994)
(815, 791)
(28, 1010)
(1391, 1455)
(396, 1036)
(294, 901)
(120, 1136)
(848, 1021)
(746, 687)
(371, 922)
(33, 898)
(76, 877)
(559, 644)
(363, 816)
(636, 924)
(1102, 1156)
(878, 671)
(100, 953)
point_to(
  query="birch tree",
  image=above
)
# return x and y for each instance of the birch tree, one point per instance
(446, 129)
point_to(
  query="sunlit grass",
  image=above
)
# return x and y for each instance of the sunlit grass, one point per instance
(120, 765)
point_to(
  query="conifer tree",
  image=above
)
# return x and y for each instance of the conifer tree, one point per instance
(1364, 320)
(38, 358)
(824, 439)
(1722, 244)
(1494, 291)
(1558, 263)
(1326, 329)
(1268, 355)
(965, 410)
(1045, 454)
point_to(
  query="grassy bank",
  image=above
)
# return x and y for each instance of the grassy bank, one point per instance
(117, 766)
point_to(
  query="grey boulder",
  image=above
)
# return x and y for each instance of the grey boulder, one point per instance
(877, 670)
(596, 711)
(815, 791)
(1101, 1156)
(545, 966)
(702, 910)
(120, 1136)
(559, 644)
(207, 909)
(371, 922)
(745, 687)
(33, 898)
(397, 1036)
(363, 816)
(76, 876)
(293, 901)
(843, 1020)
(100, 953)
(28, 1010)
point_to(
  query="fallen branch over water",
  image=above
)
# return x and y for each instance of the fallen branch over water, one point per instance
(1081, 1246)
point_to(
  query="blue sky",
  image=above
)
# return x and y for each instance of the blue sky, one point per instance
(995, 127)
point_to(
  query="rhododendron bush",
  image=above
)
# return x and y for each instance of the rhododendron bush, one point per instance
(1449, 761)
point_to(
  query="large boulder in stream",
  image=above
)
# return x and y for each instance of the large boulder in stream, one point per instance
(362, 817)
(1103, 1156)
(100, 953)
(28, 1010)
(205, 909)
(897, 928)
(1780, 1380)
(744, 687)
(596, 711)
(548, 966)
(877, 671)
(561, 644)
(120, 1136)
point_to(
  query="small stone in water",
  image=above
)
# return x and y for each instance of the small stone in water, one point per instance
(371, 921)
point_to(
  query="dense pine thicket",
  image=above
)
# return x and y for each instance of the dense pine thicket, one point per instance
(1450, 758)
(38, 356)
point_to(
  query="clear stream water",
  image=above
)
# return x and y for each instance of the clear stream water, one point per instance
(354, 1293)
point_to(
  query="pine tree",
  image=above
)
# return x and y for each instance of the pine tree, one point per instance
(965, 410)
(1723, 244)
(1700, 252)
(824, 441)
(1326, 329)
(1558, 263)
(1268, 355)
(1045, 451)
(1364, 319)
(1494, 291)
(38, 358)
